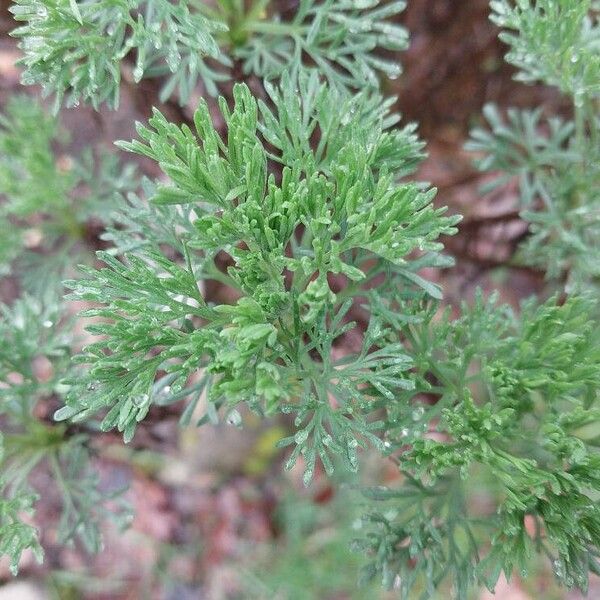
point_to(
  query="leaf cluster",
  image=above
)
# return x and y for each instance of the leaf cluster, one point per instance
(34, 354)
(557, 172)
(286, 238)
(75, 49)
(83, 51)
(337, 39)
(554, 41)
(555, 161)
(47, 196)
(504, 404)
(497, 442)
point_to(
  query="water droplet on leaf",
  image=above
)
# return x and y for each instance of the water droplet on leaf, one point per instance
(418, 413)
(234, 418)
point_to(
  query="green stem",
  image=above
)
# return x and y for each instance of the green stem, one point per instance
(274, 28)
(216, 275)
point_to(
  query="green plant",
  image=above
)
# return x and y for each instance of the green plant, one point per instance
(82, 49)
(556, 161)
(322, 216)
(504, 401)
(509, 403)
(304, 207)
(34, 356)
(47, 200)
(48, 195)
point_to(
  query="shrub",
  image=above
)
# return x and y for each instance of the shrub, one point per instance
(306, 208)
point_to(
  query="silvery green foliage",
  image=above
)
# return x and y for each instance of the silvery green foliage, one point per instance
(48, 194)
(556, 161)
(506, 405)
(75, 49)
(16, 535)
(51, 196)
(34, 356)
(339, 37)
(335, 210)
(554, 41)
(81, 51)
(29, 178)
(557, 173)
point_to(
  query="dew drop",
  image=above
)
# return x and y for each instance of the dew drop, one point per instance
(141, 400)
(558, 568)
(173, 59)
(234, 418)
(417, 413)
(138, 73)
(308, 475)
(301, 436)
(394, 72)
